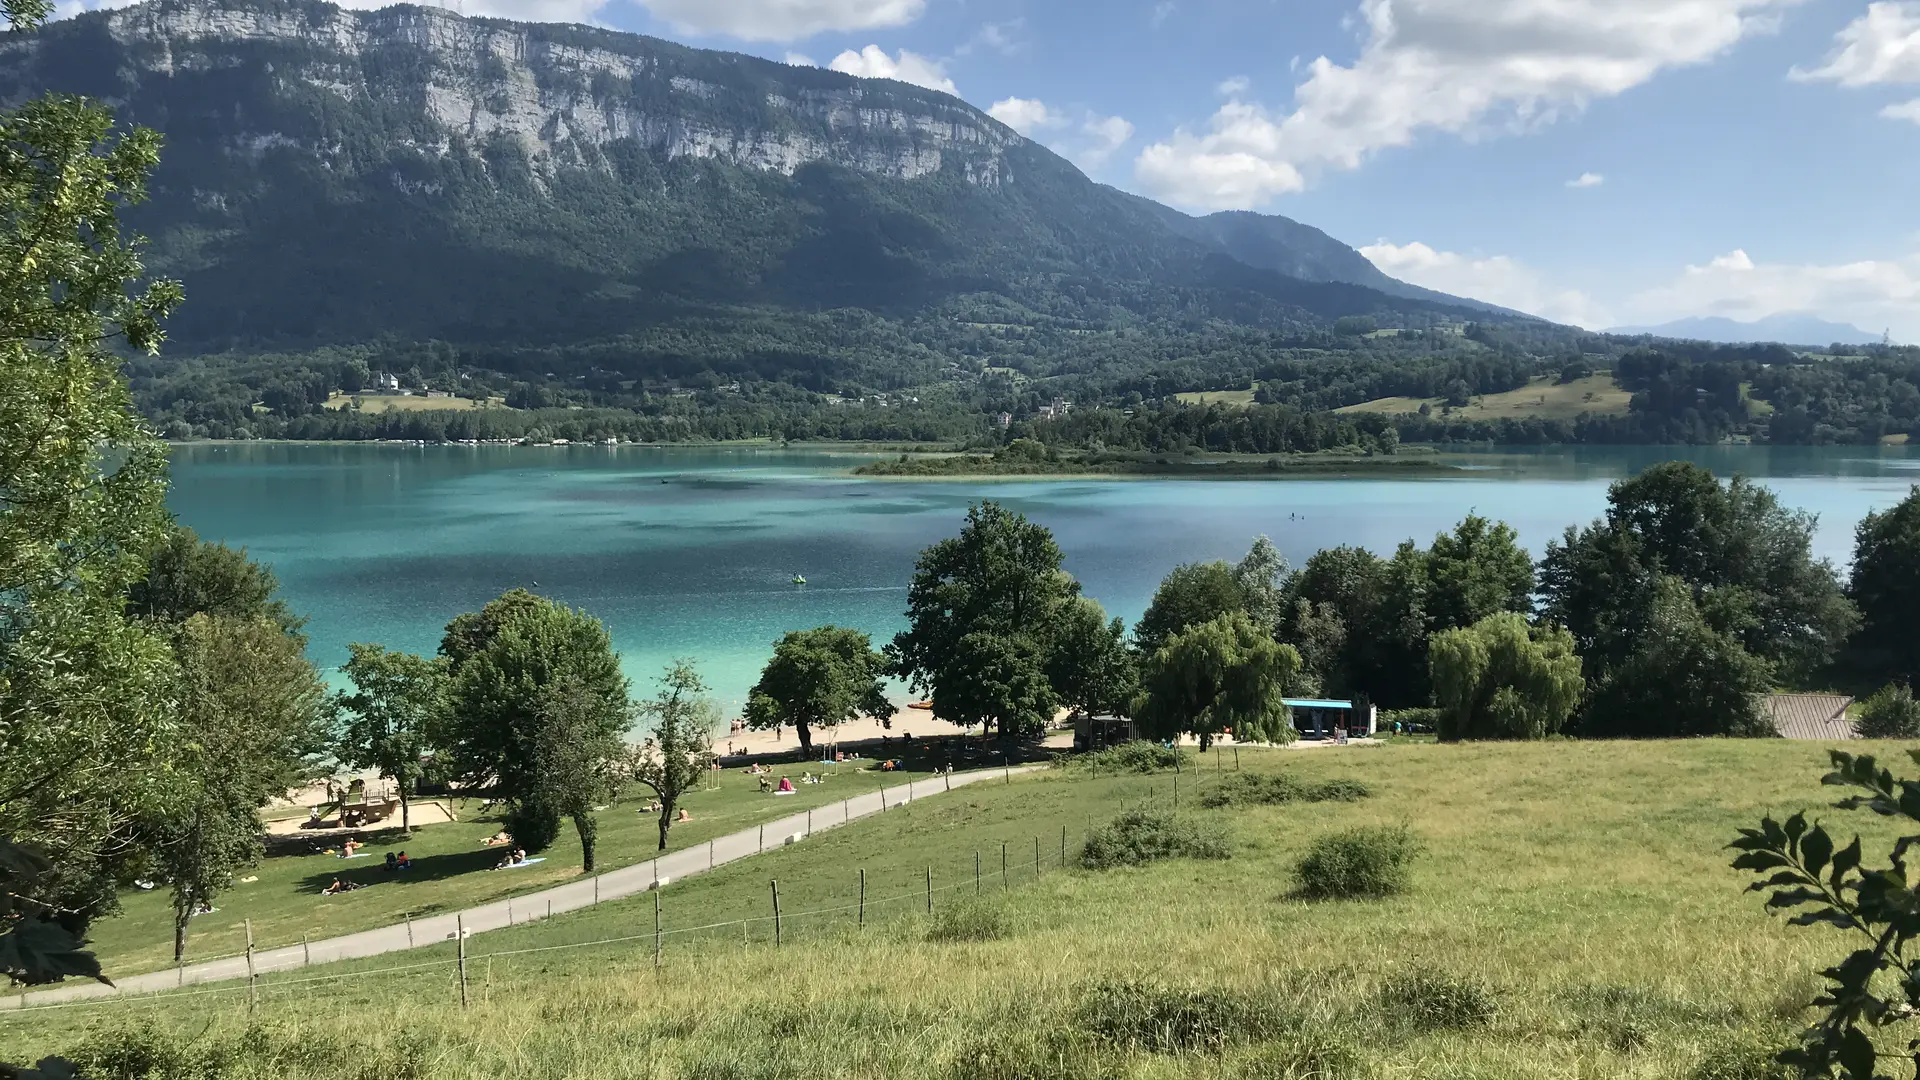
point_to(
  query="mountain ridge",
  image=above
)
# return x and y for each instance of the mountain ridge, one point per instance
(1790, 328)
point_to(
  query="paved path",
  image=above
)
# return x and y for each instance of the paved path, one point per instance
(612, 885)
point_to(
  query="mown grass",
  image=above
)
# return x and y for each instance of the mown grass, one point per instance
(1573, 916)
(450, 870)
(1543, 398)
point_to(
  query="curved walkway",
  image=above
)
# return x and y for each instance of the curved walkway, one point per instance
(532, 907)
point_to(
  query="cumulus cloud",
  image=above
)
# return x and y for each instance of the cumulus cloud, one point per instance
(1084, 137)
(1587, 180)
(795, 59)
(1460, 66)
(1871, 293)
(873, 62)
(1005, 38)
(1234, 87)
(779, 20)
(1495, 279)
(1882, 46)
(1906, 110)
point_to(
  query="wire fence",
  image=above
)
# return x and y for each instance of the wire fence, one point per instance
(809, 907)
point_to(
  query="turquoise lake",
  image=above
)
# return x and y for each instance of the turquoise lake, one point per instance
(386, 543)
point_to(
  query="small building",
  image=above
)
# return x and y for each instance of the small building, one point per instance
(1818, 717)
(1099, 732)
(1319, 718)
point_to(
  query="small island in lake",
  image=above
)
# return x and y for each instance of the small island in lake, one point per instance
(1025, 457)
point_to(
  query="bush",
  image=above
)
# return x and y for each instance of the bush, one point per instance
(1136, 1016)
(1139, 837)
(1436, 1001)
(1890, 714)
(1139, 756)
(1365, 864)
(1268, 789)
(1411, 720)
(971, 919)
(533, 828)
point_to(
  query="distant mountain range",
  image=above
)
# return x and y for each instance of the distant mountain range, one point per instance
(1791, 329)
(338, 176)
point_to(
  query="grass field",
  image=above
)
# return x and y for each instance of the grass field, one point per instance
(376, 403)
(1572, 916)
(1543, 398)
(450, 871)
(1218, 397)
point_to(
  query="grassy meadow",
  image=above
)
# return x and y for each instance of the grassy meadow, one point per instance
(1572, 915)
(1543, 398)
(378, 403)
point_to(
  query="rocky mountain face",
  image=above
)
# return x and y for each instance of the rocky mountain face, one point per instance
(336, 176)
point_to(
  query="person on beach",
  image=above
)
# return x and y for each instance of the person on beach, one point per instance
(765, 784)
(786, 786)
(684, 816)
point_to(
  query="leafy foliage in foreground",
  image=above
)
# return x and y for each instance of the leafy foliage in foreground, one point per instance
(1873, 993)
(1365, 864)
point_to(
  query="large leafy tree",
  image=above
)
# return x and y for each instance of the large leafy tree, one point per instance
(1091, 668)
(999, 583)
(678, 753)
(1227, 674)
(1746, 559)
(505, 662)
(84, 691)
(1682, 677)
(1886, 588)
(1191, 594)
(1502, 679)
(252, 712)
(393, 717)
(1262, 577)
(188, 576)
(819, 678)
(577, 760)
(1477, 570)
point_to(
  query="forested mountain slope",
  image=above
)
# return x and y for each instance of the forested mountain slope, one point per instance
(406, 174)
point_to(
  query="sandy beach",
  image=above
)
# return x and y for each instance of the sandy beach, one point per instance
(860, 733)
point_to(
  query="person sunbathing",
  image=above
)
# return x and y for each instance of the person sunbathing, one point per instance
(786, 786)
(684, 816)
(337, 888)
(496, 840)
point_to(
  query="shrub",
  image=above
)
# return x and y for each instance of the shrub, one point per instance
(1436, 1001)
(1422, 720)
(534, 828)
(1137, 1016)
(1139, 837)
(1890, 714)
(1139, 756)
(1365, 864)
(1266, 789)
(971, 919)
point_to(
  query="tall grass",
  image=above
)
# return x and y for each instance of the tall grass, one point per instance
(1605, 938)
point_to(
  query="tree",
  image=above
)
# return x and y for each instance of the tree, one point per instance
(84, 692)
(1222, 675)
(252, 710)
(391, 719)
(1886, 588)
(1683, 678)
(1262, 577)
(1501, 679)
(1091, 668)
(1747, 560)
(677, 756)
(188, 576)
(1477, 570)
(999, 579)
(505, 661)
(1194, 593)
(576, 760)
(1890, 714)
(996, 682)
(819, 678)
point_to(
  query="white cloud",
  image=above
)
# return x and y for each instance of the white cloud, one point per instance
(1461, 66)
(873, 62)
(1882, 46)
(1086, 138)
(1587, 180)
(1871, 294)
(1906, 110)
(780, 20)
(1495, 279)
(1025, 115)
(1161, 11)
(795, 59)
(1234, 87)
(1002, 37)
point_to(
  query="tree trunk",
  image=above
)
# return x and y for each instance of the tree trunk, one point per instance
(1206, 741)
(589, 830)
(666, 821)
(406, 825)
(180, 918)
(806, 740)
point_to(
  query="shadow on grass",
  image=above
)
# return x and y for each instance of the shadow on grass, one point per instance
(421, 870)
(923, 754)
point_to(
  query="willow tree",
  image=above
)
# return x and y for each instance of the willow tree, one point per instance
(1224, 675)
(86, 728)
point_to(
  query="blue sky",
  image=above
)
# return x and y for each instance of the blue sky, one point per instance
(1741, 157)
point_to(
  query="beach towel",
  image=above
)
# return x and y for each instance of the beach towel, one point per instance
(528, 862)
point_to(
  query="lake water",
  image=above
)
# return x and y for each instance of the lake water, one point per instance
(386, 543)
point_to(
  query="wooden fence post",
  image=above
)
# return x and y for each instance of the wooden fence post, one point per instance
(1063, 847)
(253, 986)
(460, 938)
(863, 898)
(929, 890)
(1004, 884)
(306, 951)
(776, 913)
(976, 873)
(656, 930)
(1036, 857)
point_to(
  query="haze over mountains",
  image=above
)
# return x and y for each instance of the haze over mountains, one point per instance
(336, 176)
(1788, 329)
